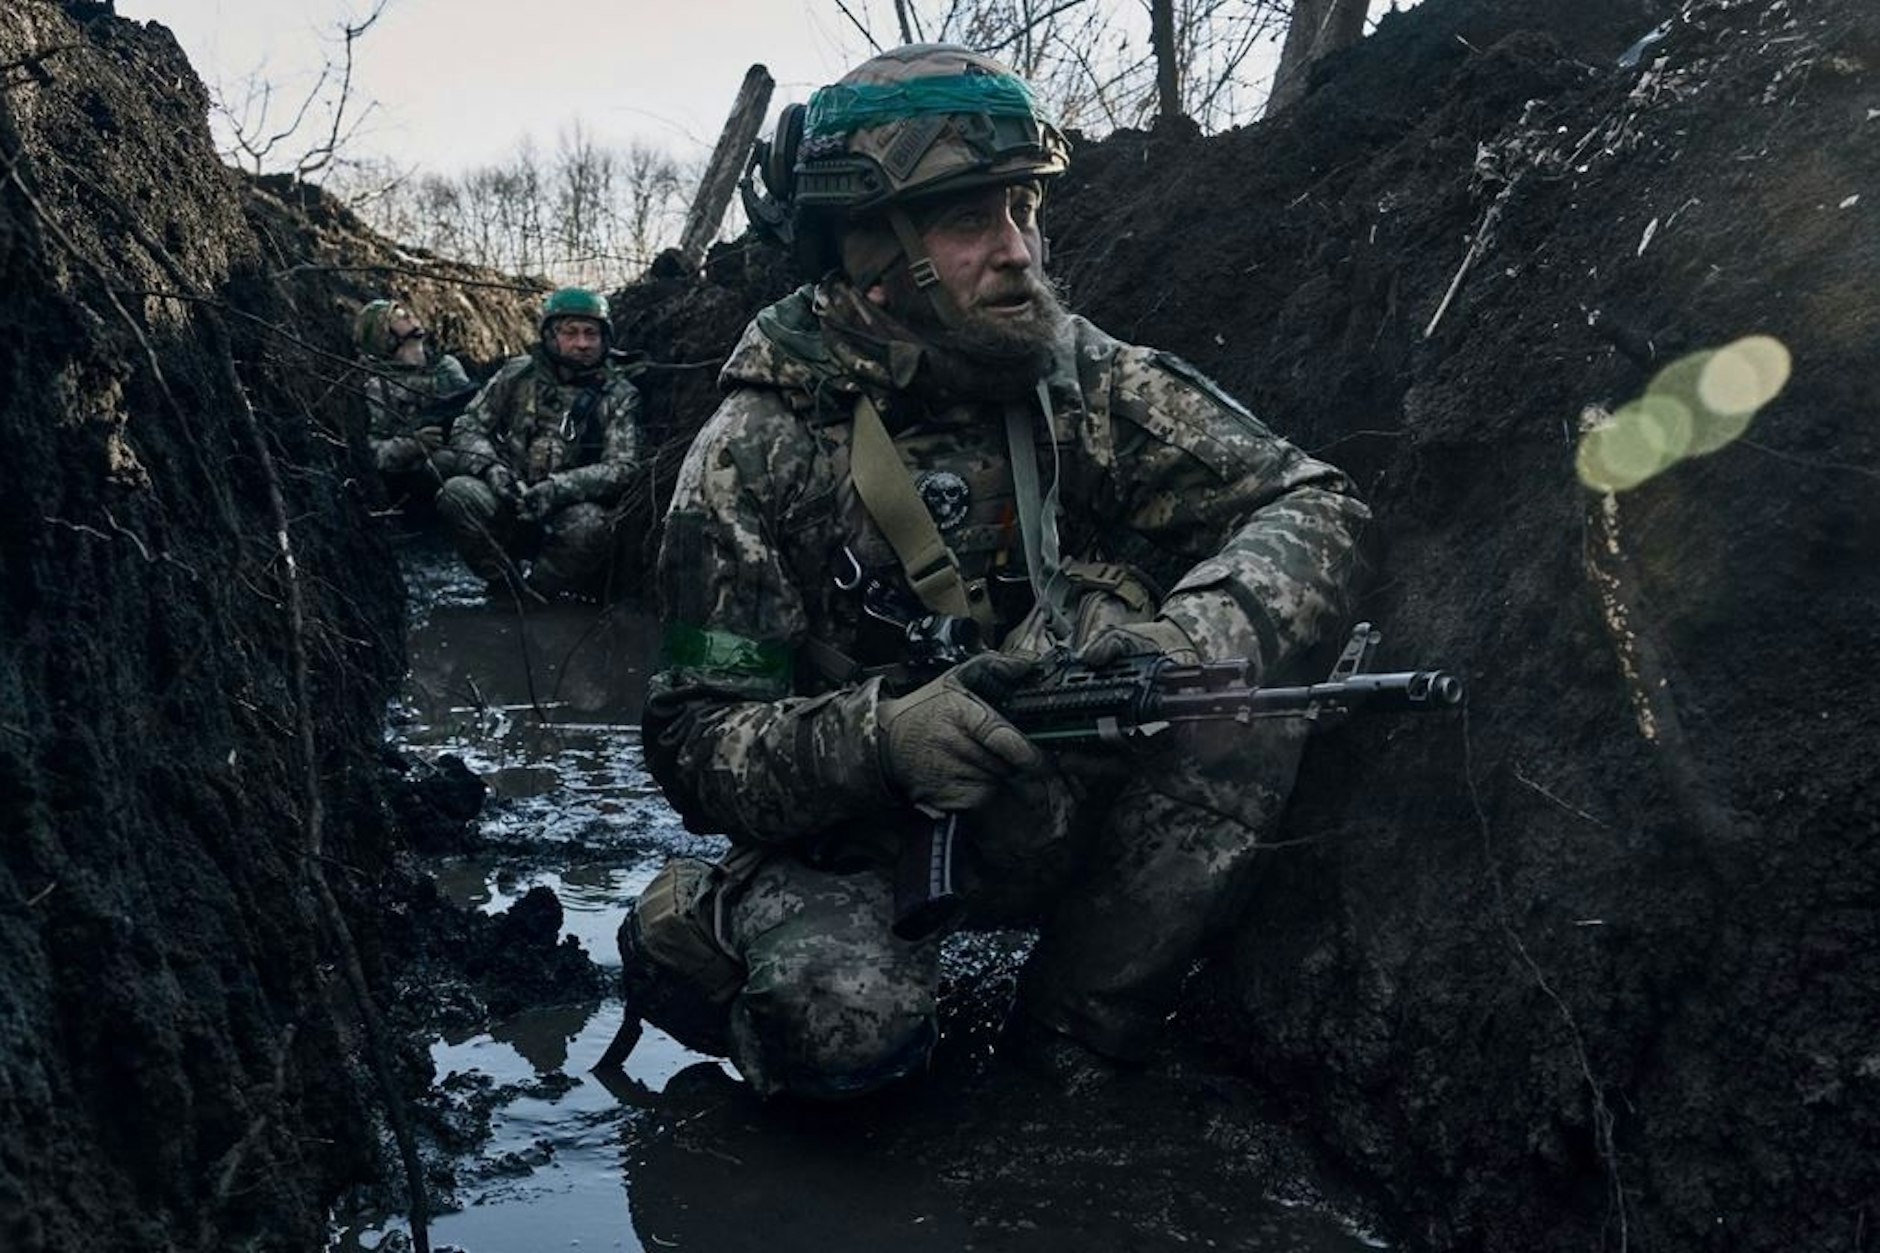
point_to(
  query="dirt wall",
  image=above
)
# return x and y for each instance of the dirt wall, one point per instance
(199, 626)
(1593, 966)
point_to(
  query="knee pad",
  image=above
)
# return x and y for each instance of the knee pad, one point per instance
(465, 497)
(675, 973)
(812, 1032)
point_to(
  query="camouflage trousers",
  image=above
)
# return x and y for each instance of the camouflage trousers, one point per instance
(1124, 872)
(568, 551)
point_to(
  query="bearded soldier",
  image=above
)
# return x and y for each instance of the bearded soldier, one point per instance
(926, 437)
(411, 392)
(549, 447)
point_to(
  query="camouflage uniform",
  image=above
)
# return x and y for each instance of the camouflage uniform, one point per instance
(403, 399)
(762, 723)
(579, 432)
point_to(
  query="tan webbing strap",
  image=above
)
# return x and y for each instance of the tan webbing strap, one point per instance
(887, 491)
(1037, 514)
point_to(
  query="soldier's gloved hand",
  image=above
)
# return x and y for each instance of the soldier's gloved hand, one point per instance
(945, 747)
(431, 437)
(537, 502)
(502, 481)
(1114, 643)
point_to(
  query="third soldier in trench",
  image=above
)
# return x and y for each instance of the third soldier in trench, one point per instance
(1067, 491)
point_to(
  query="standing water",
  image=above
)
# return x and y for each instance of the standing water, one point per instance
(544, 705)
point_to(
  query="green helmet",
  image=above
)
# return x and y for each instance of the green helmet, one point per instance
(574, 302)
(919, 121)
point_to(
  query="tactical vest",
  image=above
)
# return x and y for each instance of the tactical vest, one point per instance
(960, 467)
(551, 434)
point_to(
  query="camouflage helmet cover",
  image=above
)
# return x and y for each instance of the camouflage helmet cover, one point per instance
(372, 328)
(574, 302)
(921, 120)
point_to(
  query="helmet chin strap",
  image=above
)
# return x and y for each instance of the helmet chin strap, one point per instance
(920, 266)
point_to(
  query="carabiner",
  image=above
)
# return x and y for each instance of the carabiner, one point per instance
(853, 580)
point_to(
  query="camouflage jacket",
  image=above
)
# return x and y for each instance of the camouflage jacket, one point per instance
(748, 730)
(582, 436)
(402, 399)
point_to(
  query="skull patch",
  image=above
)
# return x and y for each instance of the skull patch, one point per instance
(946, 496)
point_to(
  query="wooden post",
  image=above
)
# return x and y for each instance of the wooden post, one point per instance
(733, 150)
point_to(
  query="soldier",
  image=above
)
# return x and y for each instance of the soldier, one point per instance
(549, 447)
(412, 393)
(926, 436)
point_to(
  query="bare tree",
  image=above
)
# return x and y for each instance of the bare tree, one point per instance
(652, 186)
(260, 142)
(1318, 27)
(1168, 79)
(1102, 64)
(585, 221)
(587, 214)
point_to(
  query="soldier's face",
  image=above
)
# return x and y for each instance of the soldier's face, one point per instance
(987, 251)
(408, 337)
(577, 340)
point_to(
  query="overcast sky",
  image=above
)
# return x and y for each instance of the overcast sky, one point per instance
(455, 84)
(458, 83)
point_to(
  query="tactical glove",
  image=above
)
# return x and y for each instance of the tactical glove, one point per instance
(944, 747)
(1114, 643)
(431, 437)
(537, 501)
(502, 481)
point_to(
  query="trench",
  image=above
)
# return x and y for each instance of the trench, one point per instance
(544, 706)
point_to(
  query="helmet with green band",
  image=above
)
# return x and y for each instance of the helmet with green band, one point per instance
(574, 302)
(921, 121)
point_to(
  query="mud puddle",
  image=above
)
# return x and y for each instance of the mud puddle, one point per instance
(544, 706)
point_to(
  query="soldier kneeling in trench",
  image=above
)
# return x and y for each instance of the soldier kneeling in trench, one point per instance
(925, 434)
(549, 448)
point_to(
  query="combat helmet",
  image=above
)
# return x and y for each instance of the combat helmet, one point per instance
(372, 328)
(574, 302)
(914, 122)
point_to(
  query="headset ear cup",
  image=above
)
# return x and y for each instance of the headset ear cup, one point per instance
(780, 155)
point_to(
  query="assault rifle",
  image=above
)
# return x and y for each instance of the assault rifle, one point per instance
(1067, 702)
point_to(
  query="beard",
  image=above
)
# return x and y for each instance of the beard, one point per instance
(987, 356)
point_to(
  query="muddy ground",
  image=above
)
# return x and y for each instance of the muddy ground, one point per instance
(1592, 966)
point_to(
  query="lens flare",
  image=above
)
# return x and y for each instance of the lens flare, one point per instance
(1742, 377)
(1695, 405)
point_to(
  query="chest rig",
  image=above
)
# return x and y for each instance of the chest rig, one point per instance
(560, 425)
(964, 543)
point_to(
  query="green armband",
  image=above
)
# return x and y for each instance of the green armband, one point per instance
(761, 669)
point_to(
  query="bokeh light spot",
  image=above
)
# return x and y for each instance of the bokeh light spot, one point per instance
(1744, 376)
(1620, 454)
(1665, 423)
(1695, 405)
